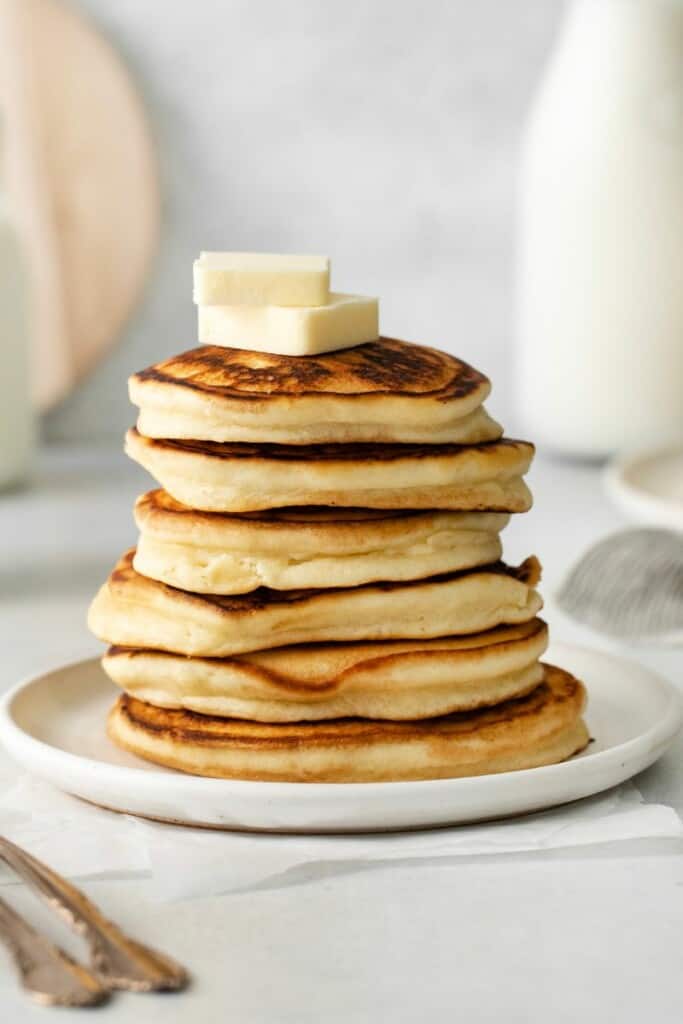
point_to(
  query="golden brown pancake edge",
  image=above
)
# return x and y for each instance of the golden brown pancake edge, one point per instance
(541, 728)
(354, 452)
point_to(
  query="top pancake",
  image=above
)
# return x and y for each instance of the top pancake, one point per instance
(383, 391)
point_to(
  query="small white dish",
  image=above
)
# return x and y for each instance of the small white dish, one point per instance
(648, 486)
(54, 725)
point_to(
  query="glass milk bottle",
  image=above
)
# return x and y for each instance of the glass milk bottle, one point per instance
(16, 416)
(600, 283)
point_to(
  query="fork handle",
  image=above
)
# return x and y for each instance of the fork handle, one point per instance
(120, 961)
(47, 974)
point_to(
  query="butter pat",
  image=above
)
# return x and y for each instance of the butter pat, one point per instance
(261, 279)
(345, 321)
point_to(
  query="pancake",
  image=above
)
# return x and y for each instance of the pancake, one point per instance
(389, 680)
(133, 611)
(287, 549)
(385, 390)
(542, 728)
(249, 477)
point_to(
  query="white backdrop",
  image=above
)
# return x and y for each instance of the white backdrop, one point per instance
(381, 132)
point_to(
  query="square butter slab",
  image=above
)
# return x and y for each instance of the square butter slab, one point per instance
(345, 321)
(261, 279)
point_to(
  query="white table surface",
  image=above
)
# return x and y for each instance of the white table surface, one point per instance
(593, 934)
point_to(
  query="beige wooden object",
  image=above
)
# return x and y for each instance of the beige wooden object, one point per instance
(81, 172)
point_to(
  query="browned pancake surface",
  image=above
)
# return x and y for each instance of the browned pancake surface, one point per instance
(159, 501)
(560, 689)
(355, 452)
(382, 367)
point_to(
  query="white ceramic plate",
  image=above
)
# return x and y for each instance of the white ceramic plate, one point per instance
(648, 486)
(54, 726)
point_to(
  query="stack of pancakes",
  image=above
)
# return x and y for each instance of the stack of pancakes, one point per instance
(317, 593)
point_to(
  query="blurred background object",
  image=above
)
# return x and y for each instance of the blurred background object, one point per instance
(601, 233)
(81, 175)
(630, 586)
(16, 412)
(600, 299)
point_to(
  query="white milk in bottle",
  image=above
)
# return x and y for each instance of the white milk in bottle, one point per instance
(600, 362)
(16, 415)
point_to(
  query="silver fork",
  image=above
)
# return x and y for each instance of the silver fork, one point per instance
(117, 961)
(47, 973)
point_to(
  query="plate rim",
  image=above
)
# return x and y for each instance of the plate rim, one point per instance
(662, 732)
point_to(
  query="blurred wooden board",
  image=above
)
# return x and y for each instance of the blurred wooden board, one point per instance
(82, 176)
